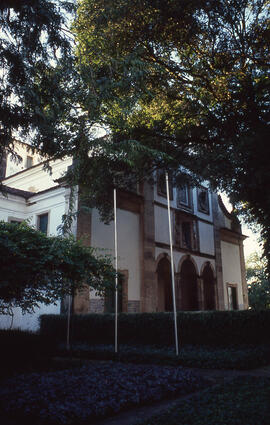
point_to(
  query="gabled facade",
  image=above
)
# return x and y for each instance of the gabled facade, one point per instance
(208, 243)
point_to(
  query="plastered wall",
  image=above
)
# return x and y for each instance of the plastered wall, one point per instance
(128, 246)
(231, 270)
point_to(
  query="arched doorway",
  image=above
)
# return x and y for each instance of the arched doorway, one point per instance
(208, 288)
(188, 286)
(164, 285)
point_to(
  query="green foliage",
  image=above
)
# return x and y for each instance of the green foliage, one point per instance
(178, 83)
(34, 41)
(258, 282)
(219, 328)
(245, 400)
(39, 269)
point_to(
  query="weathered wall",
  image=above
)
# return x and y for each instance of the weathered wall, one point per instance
(102, 237)
(231, 267)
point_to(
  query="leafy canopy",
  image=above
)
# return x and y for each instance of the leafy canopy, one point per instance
(35, 42)
(39, 269)
(258, 282)
(178, 82)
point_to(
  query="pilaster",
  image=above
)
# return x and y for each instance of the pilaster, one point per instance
(149, 277)
(81, 302)
(217, 221)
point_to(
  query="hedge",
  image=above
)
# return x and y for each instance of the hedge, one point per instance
(217, 328)
(205, 357)
(23, 350)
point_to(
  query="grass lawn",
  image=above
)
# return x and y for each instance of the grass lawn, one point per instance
(244, 401)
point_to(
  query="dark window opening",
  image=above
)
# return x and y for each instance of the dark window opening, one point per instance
(203, 200)
(161, 185)
(184, 197)
(186, 234)
(43, 223)
(185, 231)
(232, 298)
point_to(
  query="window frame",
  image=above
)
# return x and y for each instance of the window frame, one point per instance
(232, 286)
(15, 219)
(179, 219)
(181, 205)
(38, 221)
(159, 191)
(199, 208)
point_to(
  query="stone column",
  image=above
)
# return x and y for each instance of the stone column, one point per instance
(243, 275)
(200, 293)
(178, 290)
(81, 302)
(149, 277)
(217, 221)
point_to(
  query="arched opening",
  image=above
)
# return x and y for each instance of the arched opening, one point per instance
(164, 285)
(208, 288)
(188, 286)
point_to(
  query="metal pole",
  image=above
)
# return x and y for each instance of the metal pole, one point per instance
(116, 276)
(68, 323)
(172, 266)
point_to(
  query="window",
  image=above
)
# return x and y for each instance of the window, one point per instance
(15, 220)
(187, 234)
(161, 185)
(43, 223)
(184, 197)
(232, 297)
(186, 231)
(203, 200)
(29, 161)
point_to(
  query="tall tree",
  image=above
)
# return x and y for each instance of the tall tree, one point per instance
(34, 40)
(179, 82)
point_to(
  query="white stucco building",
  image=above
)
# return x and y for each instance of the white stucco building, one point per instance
(208, 243)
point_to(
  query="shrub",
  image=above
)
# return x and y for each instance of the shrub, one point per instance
(98, 389)
(242, 358)
(217, 328)
(23, 350)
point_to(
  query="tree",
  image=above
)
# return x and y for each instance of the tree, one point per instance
(177, 82)
(258, 282)
(39, 269)
(34, 41)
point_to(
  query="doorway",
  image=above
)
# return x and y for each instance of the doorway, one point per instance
(188, 286)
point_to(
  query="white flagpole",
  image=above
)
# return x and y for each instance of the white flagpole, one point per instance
(68, 323)
(172, 265)
(116, 276)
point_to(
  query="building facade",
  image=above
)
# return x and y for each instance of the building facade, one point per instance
(207, 242)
